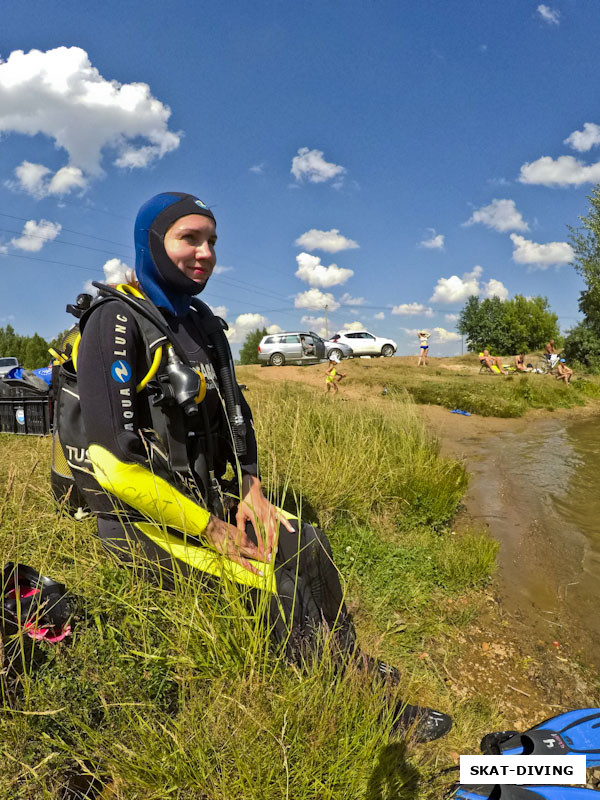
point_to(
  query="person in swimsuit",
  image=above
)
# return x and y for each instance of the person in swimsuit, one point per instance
(520, 363)
(563, 373)
(423, 347)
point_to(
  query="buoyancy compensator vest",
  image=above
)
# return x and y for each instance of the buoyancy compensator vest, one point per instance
(174, 389)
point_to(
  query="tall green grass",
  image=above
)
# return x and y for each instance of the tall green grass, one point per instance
(177, 694)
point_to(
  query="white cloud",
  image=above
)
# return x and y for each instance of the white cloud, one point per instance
(38, 181)
(451, 317)
(258, 169)
(3, 249)
(353, 326)
(220, 311)
(379, 315)
(274, 329)
(412, 309)
(59, 94)
(314, 273)
(316, 300)
(36, 234)
(455, 289)
(494, 288)
(347, 300)
(584, 140)
(219, 270)
(311, 166)
(330, 241)
(435, 241)
(442, 336)
(541, 256)
(549, 15)
(243, 325)
(501, 215)
(316, 324)
(563, 171)
(116, 271)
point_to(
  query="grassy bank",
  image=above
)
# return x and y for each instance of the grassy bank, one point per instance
(457, 383)
(177, 694)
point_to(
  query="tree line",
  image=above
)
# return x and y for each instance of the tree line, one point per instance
(32, 351)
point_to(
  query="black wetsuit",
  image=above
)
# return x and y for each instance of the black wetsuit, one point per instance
(112, 360)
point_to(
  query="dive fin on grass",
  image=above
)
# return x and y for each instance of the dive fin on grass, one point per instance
(573, 733)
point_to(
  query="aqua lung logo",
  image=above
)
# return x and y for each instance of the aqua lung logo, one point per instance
(201, 204)
(121, 371)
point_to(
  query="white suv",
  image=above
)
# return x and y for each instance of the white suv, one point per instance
(364, 343)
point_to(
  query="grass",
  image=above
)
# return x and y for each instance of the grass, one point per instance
(162, 694)
(463, 387)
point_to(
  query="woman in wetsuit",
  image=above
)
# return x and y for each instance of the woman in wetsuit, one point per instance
(170, 515)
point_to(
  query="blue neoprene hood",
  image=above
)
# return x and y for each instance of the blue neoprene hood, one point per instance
(159, 278)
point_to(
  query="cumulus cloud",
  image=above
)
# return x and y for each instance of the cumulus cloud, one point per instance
(494, 288)
(38, 181)
(258, 169)
(274, 329)
(59, 94)
(314, 273)
(412, 309)
(353, 326)
(562, 171)
(316, 324)
(549, 15)
(457, 290)
(584, 140)
(311, 166)
(330, 241)
(347, 300)
(243, 325)
(379, 315)
(541, 256)
(451, 317)
(220, 311)
(501, 215)
(316, 300)
(219, 270)
(435, 241)
(36, 234)
(442, 336)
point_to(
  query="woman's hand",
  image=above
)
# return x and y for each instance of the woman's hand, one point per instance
(264, 516)
(233, 543)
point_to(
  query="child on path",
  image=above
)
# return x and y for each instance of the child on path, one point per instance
(332, 374)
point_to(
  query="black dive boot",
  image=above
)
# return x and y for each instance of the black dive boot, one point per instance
(421, 723)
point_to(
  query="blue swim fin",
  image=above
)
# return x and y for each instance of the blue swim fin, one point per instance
(575, 733)
(505, 792)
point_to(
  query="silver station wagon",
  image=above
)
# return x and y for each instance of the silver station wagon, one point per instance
(298, 347)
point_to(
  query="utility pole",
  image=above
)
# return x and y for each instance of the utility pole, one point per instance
(326, 325)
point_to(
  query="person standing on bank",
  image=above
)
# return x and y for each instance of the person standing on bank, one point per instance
(423, 347)
(158, 492)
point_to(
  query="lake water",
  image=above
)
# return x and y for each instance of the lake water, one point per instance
(539, 492)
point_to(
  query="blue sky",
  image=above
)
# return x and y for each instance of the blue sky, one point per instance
(385, 159)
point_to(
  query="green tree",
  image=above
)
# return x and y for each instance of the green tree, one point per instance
(249, 350)
(36, 352)
(507, 326)
(583, 342)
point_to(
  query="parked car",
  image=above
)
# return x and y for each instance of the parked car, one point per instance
(6, 364)
(298, 347)
(364, 343)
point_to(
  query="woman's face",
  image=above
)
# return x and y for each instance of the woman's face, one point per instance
(190, 244)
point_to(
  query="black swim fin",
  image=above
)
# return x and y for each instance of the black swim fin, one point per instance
(573, 733)
(504, 792)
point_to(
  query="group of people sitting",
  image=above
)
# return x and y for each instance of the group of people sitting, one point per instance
(555, 362)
